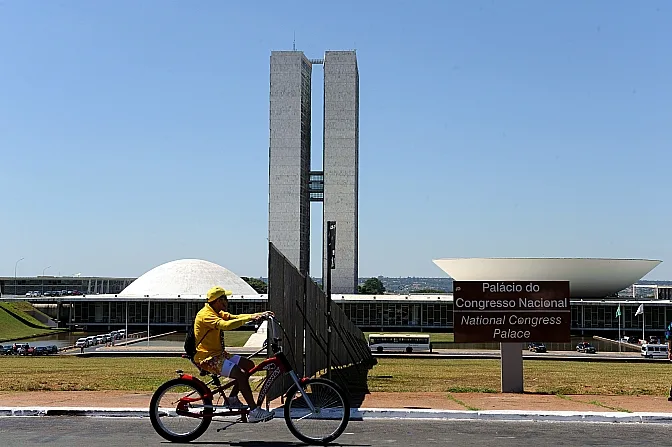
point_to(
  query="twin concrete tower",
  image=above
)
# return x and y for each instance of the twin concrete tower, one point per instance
(292, 184)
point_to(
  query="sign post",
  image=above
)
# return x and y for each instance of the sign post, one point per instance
(512, 313)
(331, 264)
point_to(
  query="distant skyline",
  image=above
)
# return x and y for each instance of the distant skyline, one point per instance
(134, 134)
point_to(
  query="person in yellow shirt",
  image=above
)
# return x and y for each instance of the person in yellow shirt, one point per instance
(211, 322)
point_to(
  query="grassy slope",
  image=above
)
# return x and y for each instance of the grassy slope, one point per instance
(12, 329)
(22, 308)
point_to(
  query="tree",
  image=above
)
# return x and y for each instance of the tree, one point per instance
(419, 291)
(372, 286)
(257, 284)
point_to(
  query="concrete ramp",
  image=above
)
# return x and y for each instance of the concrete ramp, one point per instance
(257, 339)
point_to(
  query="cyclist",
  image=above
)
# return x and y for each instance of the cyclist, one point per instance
(211, 322)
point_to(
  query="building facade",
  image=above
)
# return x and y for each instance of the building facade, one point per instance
(62, 285)
(407, 313)
(292, 185)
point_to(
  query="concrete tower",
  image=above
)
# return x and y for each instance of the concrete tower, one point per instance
(341, 163)
(289, 156)
(292, 186)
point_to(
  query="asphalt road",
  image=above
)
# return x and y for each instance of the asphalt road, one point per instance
(111, 432)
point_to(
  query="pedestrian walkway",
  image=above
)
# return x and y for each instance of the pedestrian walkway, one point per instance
(407, 403)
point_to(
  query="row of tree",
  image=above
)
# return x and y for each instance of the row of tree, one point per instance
(372, 286)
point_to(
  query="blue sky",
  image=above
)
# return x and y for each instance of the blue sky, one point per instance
(136, 133)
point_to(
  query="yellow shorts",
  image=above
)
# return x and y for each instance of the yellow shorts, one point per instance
(220, 363)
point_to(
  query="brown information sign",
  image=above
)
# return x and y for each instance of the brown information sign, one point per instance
(511, 311)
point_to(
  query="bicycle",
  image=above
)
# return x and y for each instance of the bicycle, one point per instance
(319, 400)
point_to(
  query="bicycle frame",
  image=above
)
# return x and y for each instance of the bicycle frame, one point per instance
(275, 367)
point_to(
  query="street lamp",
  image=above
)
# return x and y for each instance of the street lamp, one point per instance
(17, 263)
(43, 270)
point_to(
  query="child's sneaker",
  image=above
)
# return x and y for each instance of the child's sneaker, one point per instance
(259, 415)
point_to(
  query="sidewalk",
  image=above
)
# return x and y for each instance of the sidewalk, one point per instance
(492, 406)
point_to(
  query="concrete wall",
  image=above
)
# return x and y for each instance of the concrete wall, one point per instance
(341, 163)
(289, 156)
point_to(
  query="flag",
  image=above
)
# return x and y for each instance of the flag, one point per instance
(640, 310)
(618, 311)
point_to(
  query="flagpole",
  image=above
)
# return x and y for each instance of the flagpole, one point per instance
(643, 318)
(619, 329)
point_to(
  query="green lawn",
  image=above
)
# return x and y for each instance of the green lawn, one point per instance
(70, 373)
(546, 377)
(12, 329)
(236, 338)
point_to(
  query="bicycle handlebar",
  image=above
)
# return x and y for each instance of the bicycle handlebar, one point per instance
(274, 338)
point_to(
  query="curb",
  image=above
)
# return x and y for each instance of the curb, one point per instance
(73, 411)
(360, 414)
(512, 415)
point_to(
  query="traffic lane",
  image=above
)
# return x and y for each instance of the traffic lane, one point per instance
(112, 432)
(92, 348)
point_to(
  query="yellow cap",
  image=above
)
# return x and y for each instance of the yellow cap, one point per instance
(217, 292)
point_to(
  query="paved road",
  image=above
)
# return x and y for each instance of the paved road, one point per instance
(112, 432)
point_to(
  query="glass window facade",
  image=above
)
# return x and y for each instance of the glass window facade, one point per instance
(162, 313)
(389, 315)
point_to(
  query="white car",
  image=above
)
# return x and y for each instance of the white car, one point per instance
(82, 343)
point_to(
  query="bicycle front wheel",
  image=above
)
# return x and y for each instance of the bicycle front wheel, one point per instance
(327, 421)
(179, 411)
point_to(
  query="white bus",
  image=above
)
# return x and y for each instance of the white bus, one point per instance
(399, 342)
(654, 350)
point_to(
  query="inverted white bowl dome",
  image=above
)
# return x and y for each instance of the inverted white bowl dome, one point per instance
(588, 277)
(186, 277)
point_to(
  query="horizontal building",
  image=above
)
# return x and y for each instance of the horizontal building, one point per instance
(170, 295)
(368, 312)
(89, 285)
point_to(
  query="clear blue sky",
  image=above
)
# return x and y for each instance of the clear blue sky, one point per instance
(136, 133)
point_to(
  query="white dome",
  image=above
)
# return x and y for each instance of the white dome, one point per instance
(588, 277)
(186, 277)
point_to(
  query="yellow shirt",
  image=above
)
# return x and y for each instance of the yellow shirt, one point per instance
(207, 328)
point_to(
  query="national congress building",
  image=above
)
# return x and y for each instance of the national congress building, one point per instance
(292, 184)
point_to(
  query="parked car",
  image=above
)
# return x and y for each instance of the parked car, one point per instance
(21, 348)
(586, 348)
(7, 350)
(40, 350)
(537, 347)
(52, 349)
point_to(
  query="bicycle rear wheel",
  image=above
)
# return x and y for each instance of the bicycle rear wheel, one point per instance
(179, 411)
(331, 415)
